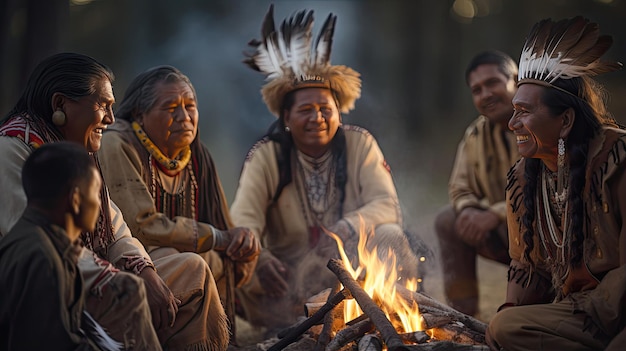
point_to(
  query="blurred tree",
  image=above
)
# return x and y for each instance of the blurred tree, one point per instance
(29, 31)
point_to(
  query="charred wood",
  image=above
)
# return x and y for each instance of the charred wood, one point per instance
(458, 333)
(417, 337)
(446, 346)
(297, 331)
(377, 316)
(349, 334)
(329, 322)
(425, 301)
(370, 342)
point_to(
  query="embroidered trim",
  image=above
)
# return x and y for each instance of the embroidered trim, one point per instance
(105, 276)
(136, 264)
(183, 202)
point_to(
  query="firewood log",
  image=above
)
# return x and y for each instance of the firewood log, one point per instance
(349, 334)
(416, 337)
(435, 320)
(377, 316)
(424, 302)
(446, 346)
(370, 342)
(457, 332)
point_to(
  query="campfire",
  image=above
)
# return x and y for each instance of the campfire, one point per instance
(373, 311)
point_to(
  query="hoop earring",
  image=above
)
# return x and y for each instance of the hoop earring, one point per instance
(59, 118)
(287, 129)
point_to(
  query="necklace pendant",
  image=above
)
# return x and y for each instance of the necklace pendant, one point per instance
(560, 198)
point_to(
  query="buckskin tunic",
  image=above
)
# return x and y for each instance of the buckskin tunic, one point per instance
(284, 226)
(590, 305)
(130, 176)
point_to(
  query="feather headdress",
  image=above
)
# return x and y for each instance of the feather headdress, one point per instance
(290, 62)
(563, 50)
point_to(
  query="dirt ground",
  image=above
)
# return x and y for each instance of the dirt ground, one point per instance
(491, 275)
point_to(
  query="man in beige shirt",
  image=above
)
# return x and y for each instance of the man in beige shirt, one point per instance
(475, 220)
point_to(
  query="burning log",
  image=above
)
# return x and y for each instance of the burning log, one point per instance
(434, 320)
(417, 337)
(443, 310)
(458, 333)
(377, 316)
(295, 333)
(349, 334)
(370, 342)
(329, 320)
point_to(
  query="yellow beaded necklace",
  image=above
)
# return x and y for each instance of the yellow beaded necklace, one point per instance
(174, 165)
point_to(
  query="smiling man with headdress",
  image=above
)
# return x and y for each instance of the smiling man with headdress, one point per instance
(565, 198)
(310, 173)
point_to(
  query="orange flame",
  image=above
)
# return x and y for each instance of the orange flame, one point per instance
(380, 279)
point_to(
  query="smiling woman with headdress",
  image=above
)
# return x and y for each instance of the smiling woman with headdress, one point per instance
(565, 198)
(310, 173)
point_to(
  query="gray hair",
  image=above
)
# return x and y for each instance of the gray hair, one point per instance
(141, 94)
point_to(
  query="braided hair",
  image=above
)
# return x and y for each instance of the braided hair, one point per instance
(589, 104)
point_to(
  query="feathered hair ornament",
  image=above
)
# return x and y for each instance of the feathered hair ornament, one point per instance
(290, 62)
(563, 50)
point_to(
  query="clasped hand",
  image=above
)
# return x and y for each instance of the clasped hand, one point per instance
(473, 225)
(240, 244)
(163, 304)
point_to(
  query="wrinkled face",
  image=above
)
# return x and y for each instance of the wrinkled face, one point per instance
(172, 123)
(88, 116)
(537, 130)
(89, 202)
(492, 92)
(313, 120)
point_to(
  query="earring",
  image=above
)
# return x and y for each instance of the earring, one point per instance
(560, 182)
(287, 129)
(58, 118)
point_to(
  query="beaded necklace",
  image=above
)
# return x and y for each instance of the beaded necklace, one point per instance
(178, 202)
(555, 238)
(317, 193)
(174, 165)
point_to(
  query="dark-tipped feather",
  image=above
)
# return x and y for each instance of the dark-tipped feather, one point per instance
(565, 49)
(324, 41)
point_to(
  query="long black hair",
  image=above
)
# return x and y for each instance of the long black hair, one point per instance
(588, 99)
(71, 74)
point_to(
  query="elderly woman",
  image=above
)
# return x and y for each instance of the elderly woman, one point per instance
(309, 174)
(565, 199)
(164, 179)
(69, 97)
